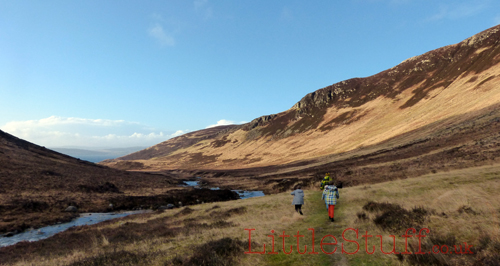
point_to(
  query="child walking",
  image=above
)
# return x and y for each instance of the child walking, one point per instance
(330, 195)
(298, 199)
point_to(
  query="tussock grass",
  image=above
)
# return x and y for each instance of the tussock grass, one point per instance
(457, 207)
(164, 236)
(460, 206)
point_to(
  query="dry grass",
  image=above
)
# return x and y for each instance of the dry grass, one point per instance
(202, 224)
(461, 206)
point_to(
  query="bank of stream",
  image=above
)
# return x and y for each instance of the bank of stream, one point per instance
(244, 194)
(48, 231)
(123, 204)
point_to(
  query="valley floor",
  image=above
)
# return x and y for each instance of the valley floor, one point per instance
(456, 207)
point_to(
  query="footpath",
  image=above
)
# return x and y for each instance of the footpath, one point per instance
(315, 217)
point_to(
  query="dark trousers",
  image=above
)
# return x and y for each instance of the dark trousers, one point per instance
(298, 208)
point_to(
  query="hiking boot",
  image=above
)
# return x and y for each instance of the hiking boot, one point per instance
(301, 213)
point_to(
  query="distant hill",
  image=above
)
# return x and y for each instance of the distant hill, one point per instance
(444, 102)
(37, 184)
(24, 165)
(97, 154)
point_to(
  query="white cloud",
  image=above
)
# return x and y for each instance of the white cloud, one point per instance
(159, 33)
(179, 132)
(224, 122)
(57, 131)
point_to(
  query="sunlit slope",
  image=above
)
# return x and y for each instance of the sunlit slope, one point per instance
(447, 83)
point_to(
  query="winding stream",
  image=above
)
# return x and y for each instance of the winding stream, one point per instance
(93, 218)
(48, 231)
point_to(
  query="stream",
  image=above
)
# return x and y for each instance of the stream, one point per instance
(93, 218)
(48, 231)
(244, 194)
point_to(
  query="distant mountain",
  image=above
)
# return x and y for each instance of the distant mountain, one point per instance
(433, 99)
(97, 154)
(37, 184)
(25, 166)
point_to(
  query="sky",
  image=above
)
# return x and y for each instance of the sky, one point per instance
(136, 73)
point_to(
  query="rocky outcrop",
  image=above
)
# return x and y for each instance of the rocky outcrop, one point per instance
(474, 54)
(343, 114)
(258, 122)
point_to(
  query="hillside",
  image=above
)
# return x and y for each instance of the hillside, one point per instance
(444, 102)
(29, 167)
(38, 184)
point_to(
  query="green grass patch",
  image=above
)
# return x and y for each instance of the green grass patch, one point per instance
(316, 217)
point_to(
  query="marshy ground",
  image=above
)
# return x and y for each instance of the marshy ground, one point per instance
(457, 206)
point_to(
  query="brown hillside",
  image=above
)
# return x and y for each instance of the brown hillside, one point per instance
(38, 184)
(29, 167)
(423, 95)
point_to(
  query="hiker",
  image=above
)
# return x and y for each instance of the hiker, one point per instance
(325, 181)
(298, 199)
(330, 194)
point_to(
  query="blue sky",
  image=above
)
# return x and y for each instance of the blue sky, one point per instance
(135, 73)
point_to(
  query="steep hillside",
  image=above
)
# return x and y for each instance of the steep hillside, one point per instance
(425, 95)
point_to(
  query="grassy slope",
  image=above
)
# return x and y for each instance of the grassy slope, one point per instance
(463, 206)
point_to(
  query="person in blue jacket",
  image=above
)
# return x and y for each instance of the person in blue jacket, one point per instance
(298, 199)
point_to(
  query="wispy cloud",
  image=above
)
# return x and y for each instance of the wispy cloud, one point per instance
(459, 10)
(203, 8)
(157, 32)
(57, 131)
